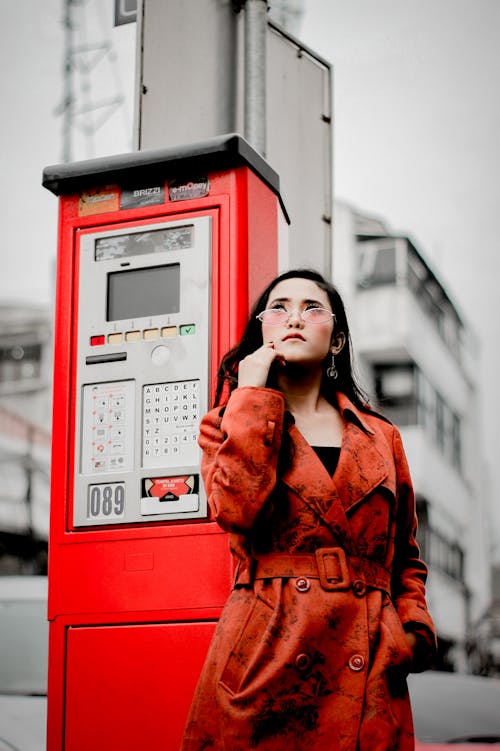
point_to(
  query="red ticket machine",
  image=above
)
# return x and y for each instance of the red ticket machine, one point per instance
(160, 254)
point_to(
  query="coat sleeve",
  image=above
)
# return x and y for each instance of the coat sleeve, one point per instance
(409, 570)
(240, 454)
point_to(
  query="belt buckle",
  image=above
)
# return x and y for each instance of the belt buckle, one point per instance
(332, 568)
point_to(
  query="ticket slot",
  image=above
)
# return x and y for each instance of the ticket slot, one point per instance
(109, 357)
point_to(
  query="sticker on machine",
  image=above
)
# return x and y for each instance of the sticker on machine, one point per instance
(148, 195)
(182, 190)
(99, 201)
(177, 494)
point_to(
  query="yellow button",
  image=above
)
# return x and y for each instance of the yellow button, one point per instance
(133, 336)
(115, 338)
(151, 333)
(169, 331)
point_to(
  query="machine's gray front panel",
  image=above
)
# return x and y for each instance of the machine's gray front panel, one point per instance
(142, 372)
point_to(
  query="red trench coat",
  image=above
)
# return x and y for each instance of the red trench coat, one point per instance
(310, 652)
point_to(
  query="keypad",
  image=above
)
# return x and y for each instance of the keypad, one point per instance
(171, 415)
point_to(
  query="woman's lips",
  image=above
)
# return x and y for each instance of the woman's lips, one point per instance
(293, 336)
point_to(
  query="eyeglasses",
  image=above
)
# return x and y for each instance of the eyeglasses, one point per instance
(279, 316)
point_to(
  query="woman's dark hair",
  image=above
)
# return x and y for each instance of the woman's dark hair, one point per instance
(251, 340)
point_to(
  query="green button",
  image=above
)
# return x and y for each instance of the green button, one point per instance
(187, 329)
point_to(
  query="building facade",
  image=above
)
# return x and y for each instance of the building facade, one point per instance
(25, 429)
(416, 356)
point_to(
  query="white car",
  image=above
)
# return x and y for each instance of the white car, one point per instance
(23, 663)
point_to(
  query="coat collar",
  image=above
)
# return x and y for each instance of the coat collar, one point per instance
(349, 412)
(362, 466)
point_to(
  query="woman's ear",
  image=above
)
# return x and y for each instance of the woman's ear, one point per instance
(338, 342)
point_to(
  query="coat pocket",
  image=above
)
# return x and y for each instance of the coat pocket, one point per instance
(401, 655)
(250, 648)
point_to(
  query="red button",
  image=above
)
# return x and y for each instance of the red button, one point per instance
(97, 341)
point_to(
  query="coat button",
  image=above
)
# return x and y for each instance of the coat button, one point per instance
(359, 587)
(302, 662)
(357, 662)
(302, 584)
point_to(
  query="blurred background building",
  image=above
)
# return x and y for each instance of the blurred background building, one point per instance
(25, 419)
(418, 357)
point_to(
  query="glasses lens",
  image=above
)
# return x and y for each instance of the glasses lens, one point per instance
(273, 316)
(277, 316)
(317, 315)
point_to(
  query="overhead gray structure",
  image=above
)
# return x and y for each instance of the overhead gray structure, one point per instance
(191, 85)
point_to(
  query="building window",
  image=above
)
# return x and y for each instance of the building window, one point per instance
(20, 362)
(422, 506)
(440, 421)
(395, 390)
(439, 552)
(377, 262)
(432, 298)
(445, 556)
(426, 403)
(407, 397)
(456, 442)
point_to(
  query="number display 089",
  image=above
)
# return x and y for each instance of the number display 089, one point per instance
(105, 501)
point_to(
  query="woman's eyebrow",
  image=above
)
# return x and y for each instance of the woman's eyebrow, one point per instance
(303, 302)
(279, 299)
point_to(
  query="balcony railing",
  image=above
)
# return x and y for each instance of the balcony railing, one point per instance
(396, 261)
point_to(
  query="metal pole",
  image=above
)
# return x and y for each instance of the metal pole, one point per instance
(29, 484)
(67, 103)
(255, 73)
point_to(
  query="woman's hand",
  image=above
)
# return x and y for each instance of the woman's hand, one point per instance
(254, 369)
(411, 640)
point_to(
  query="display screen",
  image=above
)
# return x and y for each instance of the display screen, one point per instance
(140, 293)
(139, 243)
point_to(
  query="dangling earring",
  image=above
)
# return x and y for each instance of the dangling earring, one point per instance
(332, 371)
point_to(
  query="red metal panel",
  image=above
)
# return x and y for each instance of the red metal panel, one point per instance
(130, 687)
(181, 572)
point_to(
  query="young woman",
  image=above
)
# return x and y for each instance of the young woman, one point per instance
(328, 613)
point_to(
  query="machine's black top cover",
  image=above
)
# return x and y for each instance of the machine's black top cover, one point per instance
(216, 154)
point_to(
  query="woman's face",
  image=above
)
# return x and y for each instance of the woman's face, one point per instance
(297, 340)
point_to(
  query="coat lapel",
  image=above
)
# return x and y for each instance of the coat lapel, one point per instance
(361, 468)
(307, 478)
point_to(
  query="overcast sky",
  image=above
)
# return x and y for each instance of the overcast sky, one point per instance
(416, 131)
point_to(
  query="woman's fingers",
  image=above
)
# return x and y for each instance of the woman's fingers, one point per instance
(254, 369)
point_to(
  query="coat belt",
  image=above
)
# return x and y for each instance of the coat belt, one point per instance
(330, 565)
